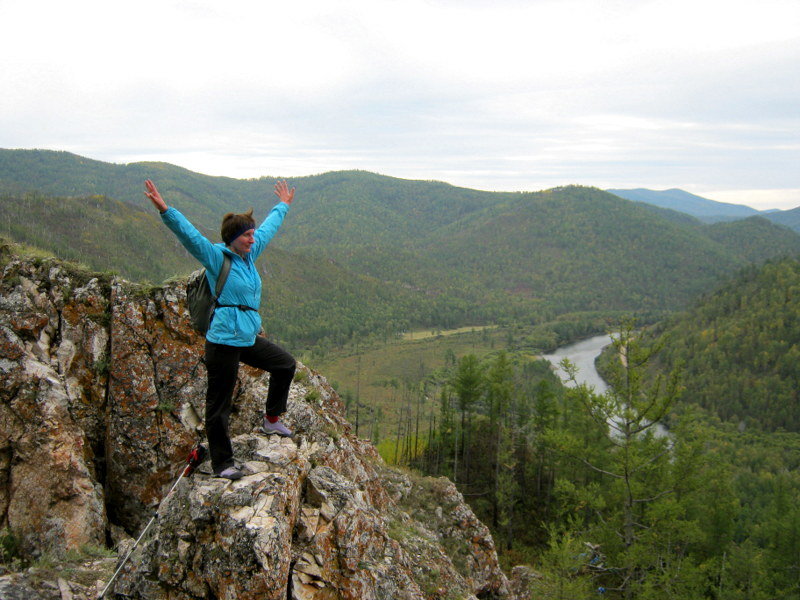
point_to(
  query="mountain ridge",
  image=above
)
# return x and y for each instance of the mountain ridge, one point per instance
(705, 209)
(449, 256)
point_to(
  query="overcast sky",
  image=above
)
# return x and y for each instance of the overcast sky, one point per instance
(495, 95)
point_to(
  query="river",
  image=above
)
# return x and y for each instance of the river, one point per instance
(582, 354)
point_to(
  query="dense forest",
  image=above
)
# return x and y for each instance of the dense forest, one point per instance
(598, 495)
(739, 348)
(680, 482)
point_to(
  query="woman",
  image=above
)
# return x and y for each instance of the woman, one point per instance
(233, 336)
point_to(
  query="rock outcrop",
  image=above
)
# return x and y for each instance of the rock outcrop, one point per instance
(95, 375)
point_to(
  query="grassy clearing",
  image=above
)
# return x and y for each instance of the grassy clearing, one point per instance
(383, 384)
(386, 379)
(412, 336)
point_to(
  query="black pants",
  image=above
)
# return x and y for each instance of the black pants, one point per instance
(222, 364)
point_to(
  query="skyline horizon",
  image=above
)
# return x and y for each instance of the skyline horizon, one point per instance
(507, 95)
(768, 204)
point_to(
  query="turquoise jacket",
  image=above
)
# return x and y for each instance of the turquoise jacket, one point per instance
(230, 326)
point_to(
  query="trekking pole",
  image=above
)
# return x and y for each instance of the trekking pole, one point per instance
(196, 456)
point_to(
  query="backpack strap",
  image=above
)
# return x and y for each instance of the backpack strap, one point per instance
(239, 306)
(223, 275)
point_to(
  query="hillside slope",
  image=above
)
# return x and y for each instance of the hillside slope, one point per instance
(305, 301)
(55, 173)
(583, 249)
(787, 218)
(739, 348)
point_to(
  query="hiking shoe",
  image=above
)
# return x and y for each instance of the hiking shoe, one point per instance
(231, 473)
(276, 428)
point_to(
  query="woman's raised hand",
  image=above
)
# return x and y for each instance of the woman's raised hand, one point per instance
(155, 197)
(283, 192)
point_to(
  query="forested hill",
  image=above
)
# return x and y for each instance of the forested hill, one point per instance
(62, 174)
(528, 254)
(581, 248)
(740, 348)
(364, 253)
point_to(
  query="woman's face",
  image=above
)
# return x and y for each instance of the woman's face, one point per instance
(242, 244)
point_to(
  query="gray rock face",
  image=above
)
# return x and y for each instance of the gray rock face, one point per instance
(306, 524)
(220, 539)
(51, 400)
(94, 373)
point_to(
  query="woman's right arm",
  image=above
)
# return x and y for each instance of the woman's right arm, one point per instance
(195, 242)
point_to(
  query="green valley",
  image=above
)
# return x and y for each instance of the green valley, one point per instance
(428, 307)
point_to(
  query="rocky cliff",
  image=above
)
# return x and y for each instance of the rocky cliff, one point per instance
(95, 375)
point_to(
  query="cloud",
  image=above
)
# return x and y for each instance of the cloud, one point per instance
(507, 95)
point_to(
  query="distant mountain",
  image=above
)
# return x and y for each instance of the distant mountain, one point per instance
(708, 211)
(787, 218)
(368, 254)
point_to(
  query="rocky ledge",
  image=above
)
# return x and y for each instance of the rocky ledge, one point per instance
(96, 378)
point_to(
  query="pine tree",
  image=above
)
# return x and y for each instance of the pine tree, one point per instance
(468, 384)
(635, 470)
